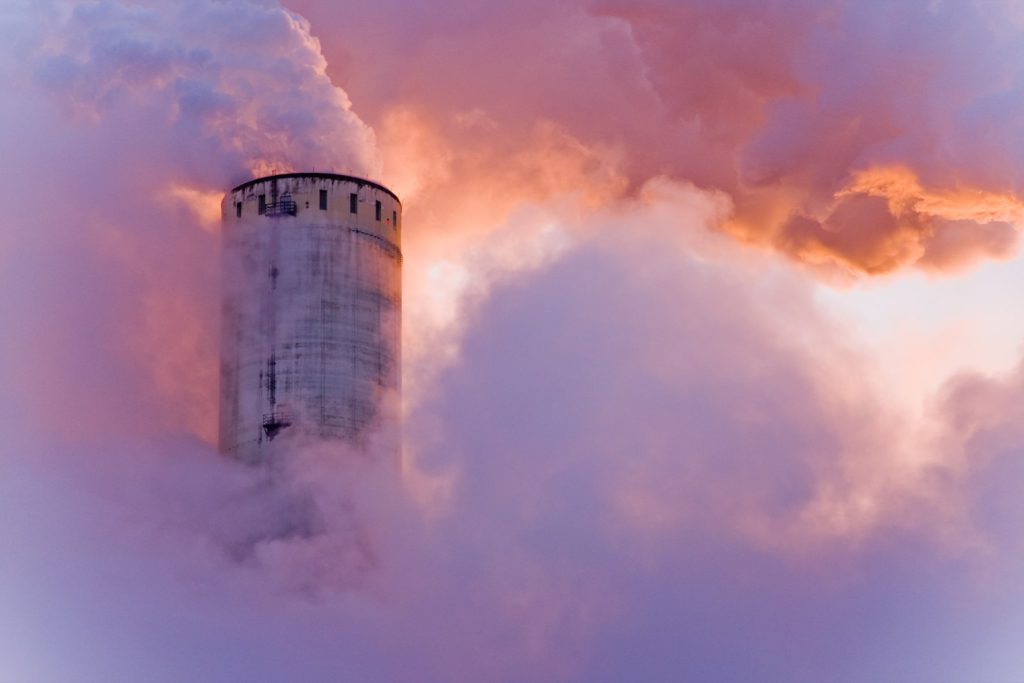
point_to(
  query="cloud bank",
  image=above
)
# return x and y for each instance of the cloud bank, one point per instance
(859, 138)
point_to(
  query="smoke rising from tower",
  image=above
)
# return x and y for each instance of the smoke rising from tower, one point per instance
(616, 369)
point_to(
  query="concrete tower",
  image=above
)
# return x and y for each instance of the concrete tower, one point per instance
(310, 339)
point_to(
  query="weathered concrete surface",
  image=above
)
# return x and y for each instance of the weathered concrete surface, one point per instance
(311, 328)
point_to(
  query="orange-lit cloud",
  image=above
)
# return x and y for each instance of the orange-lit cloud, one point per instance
(884, 219)
(783, 106)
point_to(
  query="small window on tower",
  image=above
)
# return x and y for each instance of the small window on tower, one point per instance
(238, 209)
(263, 204)
(353, 203)
(323, 200)
(378, 209)
(394, 219)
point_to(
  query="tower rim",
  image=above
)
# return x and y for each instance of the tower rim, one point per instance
(320, 175)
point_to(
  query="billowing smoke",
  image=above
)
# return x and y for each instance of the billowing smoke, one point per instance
(859, 137)
(234, 87)
(635, 448)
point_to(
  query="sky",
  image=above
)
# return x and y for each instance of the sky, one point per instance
(711, 352)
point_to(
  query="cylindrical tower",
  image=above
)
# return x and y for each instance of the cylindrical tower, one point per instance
(311, 327)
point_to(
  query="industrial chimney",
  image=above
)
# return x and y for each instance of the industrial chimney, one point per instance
(310, 338)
